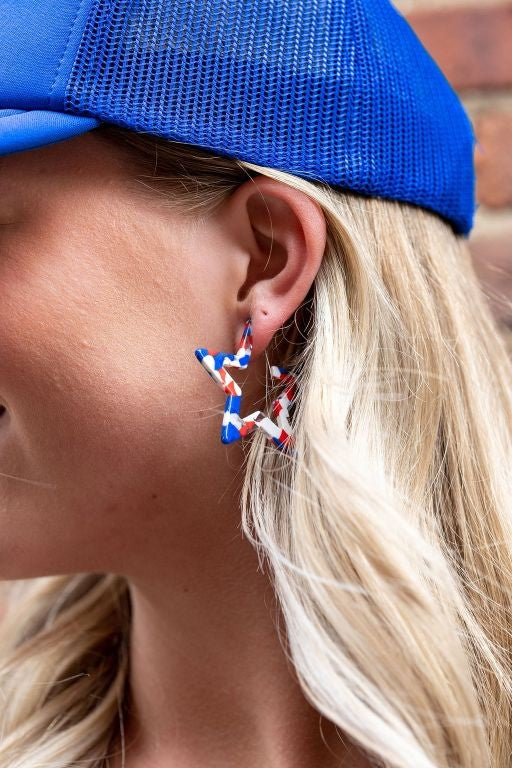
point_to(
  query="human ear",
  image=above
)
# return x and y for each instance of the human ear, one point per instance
(282, 232)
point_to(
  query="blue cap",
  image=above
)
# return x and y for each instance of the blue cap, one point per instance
(336, 90)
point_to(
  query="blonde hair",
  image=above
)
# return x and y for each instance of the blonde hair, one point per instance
(388, 535)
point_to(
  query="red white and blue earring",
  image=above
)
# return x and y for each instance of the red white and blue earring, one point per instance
(235, 426)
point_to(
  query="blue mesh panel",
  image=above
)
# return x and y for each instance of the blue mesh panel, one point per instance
(337, 91)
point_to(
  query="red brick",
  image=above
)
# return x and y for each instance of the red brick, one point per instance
(492, 259)
(473, 46)
(493, 158)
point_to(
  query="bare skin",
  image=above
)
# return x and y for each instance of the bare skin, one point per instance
(110, 451)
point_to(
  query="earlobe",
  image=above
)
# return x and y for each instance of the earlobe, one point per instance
(265, 324)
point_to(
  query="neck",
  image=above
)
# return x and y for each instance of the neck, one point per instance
(209, 679)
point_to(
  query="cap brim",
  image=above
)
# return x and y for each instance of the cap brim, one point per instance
(28, 129)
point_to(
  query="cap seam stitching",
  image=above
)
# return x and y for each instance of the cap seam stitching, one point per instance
(65, 49)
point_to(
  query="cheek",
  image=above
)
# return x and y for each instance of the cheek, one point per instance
(98, 400)
(96, 456)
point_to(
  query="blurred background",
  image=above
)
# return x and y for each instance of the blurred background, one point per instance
(471, 41)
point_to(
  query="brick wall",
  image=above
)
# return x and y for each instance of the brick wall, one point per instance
(471, 41)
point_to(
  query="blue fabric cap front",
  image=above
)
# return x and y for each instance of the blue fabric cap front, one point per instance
(38, 43)
(340, 91)
(20, 130)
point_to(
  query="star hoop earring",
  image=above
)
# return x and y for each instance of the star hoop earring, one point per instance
(234, 426)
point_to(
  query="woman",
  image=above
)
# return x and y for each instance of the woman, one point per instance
(340, 599)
